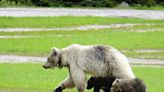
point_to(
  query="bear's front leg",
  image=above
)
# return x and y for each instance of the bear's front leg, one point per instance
(78, 77)
(106, 90)
(67, 83)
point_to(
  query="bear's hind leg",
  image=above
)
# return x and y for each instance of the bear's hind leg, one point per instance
(106, 90)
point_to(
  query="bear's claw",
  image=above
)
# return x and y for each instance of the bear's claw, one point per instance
(59, 89)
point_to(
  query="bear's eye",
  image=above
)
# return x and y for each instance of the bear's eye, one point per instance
(48, 59)
(55, 53)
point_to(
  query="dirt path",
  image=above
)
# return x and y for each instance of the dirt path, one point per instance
(20, 59)
(23, 12)
(156, 62)
(31, 59)
(85, 27)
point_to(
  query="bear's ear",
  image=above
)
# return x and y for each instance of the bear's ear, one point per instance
(55, 51)
(92, 78)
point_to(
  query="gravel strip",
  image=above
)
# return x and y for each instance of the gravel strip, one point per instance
(106, 12)
(134, 61)
(86, 27)
(2, 37)
(149, 50)
(31, 59)
(20, 59)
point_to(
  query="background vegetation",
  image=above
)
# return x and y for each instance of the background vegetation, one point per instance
(80, 3)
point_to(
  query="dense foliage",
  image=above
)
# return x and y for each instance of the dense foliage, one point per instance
(79, 3)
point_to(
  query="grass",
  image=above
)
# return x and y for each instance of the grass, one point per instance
(27, 77)
(152, 77)
(39, 43)
(43, 41)
(65, 21)
(33, 78)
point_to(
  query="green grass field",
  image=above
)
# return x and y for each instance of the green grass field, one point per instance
(65, 21)
(33, 78)
(123, 38)
(27, 77)
(42, 42)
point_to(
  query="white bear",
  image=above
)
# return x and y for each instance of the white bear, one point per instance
(98, 60)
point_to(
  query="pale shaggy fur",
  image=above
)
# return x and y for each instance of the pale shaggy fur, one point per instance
(97, 60)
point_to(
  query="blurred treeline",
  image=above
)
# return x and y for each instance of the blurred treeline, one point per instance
(80, 3)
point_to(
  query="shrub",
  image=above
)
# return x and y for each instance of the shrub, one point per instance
(140, 2)
(86, 3)
(95, 3)
(160, 2)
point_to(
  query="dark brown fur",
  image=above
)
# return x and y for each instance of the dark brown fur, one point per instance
(98, 83)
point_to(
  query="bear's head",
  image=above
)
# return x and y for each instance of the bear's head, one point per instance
(54, 59)
(122, 85)
(90, 83)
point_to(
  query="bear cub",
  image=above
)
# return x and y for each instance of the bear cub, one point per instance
(111, 84)
(128, 85)
(98, 83)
